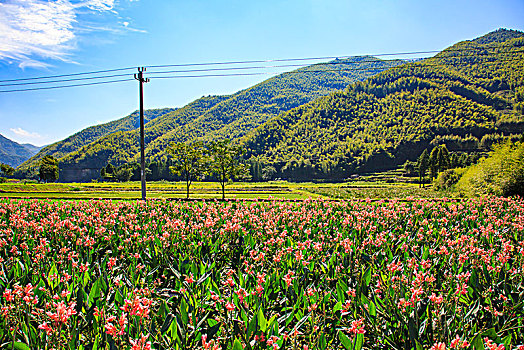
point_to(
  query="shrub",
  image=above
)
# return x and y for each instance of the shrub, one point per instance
(501, 173)
(446, 179)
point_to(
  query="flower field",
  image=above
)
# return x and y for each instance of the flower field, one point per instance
(419, 274)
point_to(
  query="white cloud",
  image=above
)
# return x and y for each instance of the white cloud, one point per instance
(29, 136)
(37, 30)
(100, 5)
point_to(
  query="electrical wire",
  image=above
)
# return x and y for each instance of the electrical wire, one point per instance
(252, 73)
(315, 71)
(306, 65)
(249, 62)
(242, 68)
(67, 86)
(67, 80)
(69, 75)
(316, 58)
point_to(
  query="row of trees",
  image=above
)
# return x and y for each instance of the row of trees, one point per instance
(47, 172)
(436, 161)
(191, 161)
(220, 159)
(5, 171)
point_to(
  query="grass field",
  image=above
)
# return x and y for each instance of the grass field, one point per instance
(362, 188)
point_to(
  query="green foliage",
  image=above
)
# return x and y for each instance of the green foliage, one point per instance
(305, 127)
(380, 123)
(501, 174)
(446, 179)
(211, 117)
(189, 161)
(443, 158)
(6, 170)
(410, 168)
(82, 138)
(48, 171)
(225, 162)
(123, 174)
(422, 166)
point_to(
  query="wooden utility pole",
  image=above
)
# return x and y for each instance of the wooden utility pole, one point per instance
(141, 82)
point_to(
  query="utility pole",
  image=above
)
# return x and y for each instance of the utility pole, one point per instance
(141, 82)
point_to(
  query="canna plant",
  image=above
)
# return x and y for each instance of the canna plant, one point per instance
(418, 274)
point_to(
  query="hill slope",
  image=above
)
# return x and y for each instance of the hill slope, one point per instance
(472, 89)
(93, 133)
(219, 116)
(13, 153)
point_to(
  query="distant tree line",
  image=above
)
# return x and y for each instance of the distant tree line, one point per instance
(6, 171)
(192, 161)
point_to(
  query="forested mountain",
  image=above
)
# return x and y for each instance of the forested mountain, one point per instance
(13, 153)
(329, 121)
(467, 94)
(92, 133)
(214, 116)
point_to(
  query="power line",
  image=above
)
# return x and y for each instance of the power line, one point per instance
(252, 73)
(66, 80)
(314, 58)
(250, 62)
(327, 63)
(67, 86)
(245, 68)
(316, 71)
(69, 75)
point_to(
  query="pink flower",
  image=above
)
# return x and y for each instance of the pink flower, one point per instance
(190, 279)
(8, 295)
(62, 313)
(230, 306)
(438, 346)
(141, 344)
(111, 263)
(490, 345)
(357, 327)
(46, 327)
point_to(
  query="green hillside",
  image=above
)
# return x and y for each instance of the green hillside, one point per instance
(213, 117)
(93, 133)
(13, 153)
(472, 90)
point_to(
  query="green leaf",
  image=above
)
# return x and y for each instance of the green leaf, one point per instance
(322, 342)
(359, 341)
(340, 293)
(252, 328)
(167, 323)
(95, 292)
(346, 342)
(371, 306)
(367, 276)
(477, 342)
(338, 306)
(183, 311)
(52, 271)
(173, 330)
(492, 334)
(425, 253)
(507, 341)
(237, 345)
(262, 320)
(21, 346)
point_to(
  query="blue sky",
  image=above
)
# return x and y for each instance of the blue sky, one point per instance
(41, 38)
